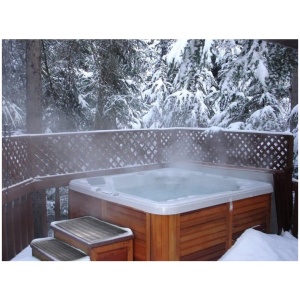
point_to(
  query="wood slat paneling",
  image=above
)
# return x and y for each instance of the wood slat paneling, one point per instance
(253, 212)
(203, 231)
(208, 254)
(131, 218)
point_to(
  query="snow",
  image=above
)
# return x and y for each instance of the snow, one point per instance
(258, 266)
(175, 55)
(236, 126)
(82, 102)
(261, 72)
(252, 245)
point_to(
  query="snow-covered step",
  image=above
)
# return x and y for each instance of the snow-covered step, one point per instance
(51, 249)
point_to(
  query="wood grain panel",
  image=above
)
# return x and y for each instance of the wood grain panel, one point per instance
(203, 233)
(208, 254)
(164, 237)
(131, 218)
(253, 212)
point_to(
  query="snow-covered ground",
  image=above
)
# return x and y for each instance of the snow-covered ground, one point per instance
(257, 246)
(233, 277)
(252, 245)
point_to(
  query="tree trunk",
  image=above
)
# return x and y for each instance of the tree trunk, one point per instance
(33, 87)
(294, 96)
(294, 88)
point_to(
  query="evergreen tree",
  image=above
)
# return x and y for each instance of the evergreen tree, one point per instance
(158, 87)
(68, 85)
(181, 85)
(96, 84)
(13, 84)
(254, 84)
(192, 83)
(118, 68)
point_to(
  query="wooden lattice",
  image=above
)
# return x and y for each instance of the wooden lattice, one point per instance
(240, 148)
(25, 157)
(80, 152)
(16, 166)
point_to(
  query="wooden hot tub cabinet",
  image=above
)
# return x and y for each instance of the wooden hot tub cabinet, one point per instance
(203, 234)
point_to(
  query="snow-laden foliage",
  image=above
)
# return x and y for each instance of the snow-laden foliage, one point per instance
(119, 67)
(250, 89)
(157, 87)
(118, 84)
(240, 84)
(12, 114)
(180, 85)
(13, 84)
(293, 121)
(106, 84)
(125, 110)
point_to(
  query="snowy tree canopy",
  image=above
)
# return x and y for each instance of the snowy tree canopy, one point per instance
(237, 84)
(118, 84)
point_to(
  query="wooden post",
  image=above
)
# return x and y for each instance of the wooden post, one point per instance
(57, 205)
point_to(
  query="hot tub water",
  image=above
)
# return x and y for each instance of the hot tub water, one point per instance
(170, 190)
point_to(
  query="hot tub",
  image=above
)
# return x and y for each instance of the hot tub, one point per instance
(175, 213)
(170, 191)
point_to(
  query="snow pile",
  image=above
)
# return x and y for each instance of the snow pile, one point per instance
(254, 245)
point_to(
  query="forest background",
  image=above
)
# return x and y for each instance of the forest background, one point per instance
(103, 84)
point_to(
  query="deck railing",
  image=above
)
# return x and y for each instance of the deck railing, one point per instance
(33, 164)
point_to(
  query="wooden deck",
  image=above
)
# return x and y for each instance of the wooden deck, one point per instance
(34, 164)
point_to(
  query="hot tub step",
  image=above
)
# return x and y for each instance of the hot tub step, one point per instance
(51, 249)
(98, 239)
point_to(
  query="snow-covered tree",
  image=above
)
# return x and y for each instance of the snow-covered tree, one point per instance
(254, 84)
(293, 121)
(12, 114)
(157, 87)
(13, 84)
(180, 86)
(88, 84)
(68, 85)
(118, 70)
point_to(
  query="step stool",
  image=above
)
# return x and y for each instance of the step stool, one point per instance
(51, 249)
(98, 239)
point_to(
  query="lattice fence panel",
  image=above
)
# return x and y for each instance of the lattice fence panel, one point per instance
(59, 154)
(56, 154)
(16, 165)
(239, 148)
(63, 154)
(165, 144)
(209, 147)
(263, 150)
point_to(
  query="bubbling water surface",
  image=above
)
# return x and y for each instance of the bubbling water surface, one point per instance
(164, 191)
